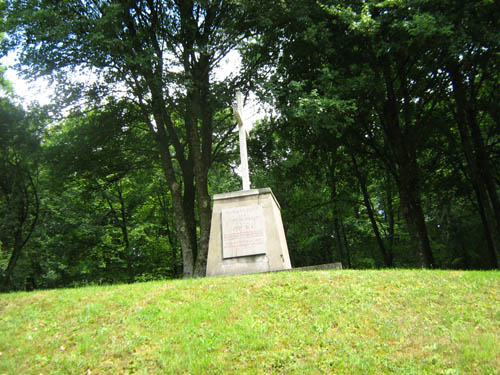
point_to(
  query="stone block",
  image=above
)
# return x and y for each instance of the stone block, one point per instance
(246, 235)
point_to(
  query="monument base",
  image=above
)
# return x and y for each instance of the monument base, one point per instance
(246, 235)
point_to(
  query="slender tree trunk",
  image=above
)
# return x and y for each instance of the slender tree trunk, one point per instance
(336, 225)
(484, 164)
(164, 135)
(201, 166)
(19, 242)
(121, 222)
(206, 132)
(195, 173)
(198, 120)
(333, 197)
(346, 245)
(176, 270)
(16, 252)
(338, 239)
(189, 203)
(389, 212)
(407, 176)
(478, 165)
(489, 182)
(124, 228)
(412, 210)
(204, 207)
(181, 223)
(183, 207)
(408, 186)
(172, 240)
(409, 193)
(492, 242)
(488, 226)
(387, 256)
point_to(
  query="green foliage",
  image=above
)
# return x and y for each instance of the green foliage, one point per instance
(383, 135)
(5, 85)
(370, 83)
(118, 231)
(161, 55)
(19, 198)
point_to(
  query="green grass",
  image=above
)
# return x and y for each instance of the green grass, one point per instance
(317, 322)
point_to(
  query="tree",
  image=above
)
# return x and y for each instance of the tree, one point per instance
(393, 62)
(19, 200)
(471, 61)
(164, 54)
(342, 55)
(5, 86)
(104, 156)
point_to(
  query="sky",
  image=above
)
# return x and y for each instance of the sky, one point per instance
(28, 92)
(39, 90)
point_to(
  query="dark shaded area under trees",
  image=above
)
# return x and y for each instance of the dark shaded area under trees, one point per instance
(382, 146)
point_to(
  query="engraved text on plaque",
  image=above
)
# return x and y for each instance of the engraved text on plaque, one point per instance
(243, 231)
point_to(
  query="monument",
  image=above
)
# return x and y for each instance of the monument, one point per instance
(246, 235)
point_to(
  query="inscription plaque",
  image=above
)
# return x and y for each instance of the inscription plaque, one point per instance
(243, 231)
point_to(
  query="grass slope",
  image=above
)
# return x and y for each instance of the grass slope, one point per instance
(339, 322)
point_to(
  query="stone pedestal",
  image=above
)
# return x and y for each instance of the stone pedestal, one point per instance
(247, 234)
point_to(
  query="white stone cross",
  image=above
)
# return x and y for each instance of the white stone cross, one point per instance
(243, 132)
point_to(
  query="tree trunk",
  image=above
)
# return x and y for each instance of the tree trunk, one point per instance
(488, 180)
(124, 228)
(407, 176)
(387, 256)
(189, 203)
(16, 252)
(478, 164)
(176, 271)
(181, 224)
(333, 197)
(121, 222)
(338, 239)
(389, 212)
(412, 210)
(198, 120)
(484, 163)
(203, 198)
(346, 245)
(488, 226)
(19, 243)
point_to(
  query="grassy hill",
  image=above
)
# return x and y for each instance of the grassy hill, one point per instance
(317, 322)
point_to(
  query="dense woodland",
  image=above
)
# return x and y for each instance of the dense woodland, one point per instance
(381, 141)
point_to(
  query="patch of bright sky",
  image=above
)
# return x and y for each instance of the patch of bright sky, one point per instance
(231, 64)
(27, 92)
(40, 91)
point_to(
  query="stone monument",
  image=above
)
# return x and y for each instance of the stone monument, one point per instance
(246, 235)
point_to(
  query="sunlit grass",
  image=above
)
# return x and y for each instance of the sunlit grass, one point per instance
(342, 322)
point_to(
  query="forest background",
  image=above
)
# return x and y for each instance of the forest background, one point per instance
(382, 141)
